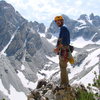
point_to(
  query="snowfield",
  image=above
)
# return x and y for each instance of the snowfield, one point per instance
(88, 78)
(80, 42)
(92, 58)
(83, 74)
(26, 83)
(14, 95)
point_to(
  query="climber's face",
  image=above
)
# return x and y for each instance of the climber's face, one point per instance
(59, 23)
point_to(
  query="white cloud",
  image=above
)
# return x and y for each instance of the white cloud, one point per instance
(45, 10)
(78, 2)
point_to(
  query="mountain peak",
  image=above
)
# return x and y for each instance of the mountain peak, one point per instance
(86, 26)
(83, 17)
(3, 1)
(91, 16)
(65, 16)
(5, 4)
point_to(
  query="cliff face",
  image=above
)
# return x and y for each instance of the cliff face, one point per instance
(22, 50)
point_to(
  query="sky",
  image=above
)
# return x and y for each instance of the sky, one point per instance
(44, 11)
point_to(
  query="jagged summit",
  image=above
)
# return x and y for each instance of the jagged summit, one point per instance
(22, 51)
(83, 17)
(85, 26)
(12, 24)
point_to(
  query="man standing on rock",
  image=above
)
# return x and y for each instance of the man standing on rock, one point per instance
(62, 48)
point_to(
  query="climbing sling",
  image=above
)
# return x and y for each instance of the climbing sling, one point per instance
(66, 53)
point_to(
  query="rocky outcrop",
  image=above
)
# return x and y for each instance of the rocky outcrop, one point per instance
(9, 21)
(9, 76)
(48, 35)
(54, 92)
(51, 91)
(25, 38)
(79, 57)
(12, 23)
(39, 27)
(95, 19)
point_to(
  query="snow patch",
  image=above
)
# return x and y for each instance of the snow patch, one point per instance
(98, 42)
(3, 51)
(81, 27)
(42, 34)
(22, 67)
(90, 21)
(40, 76)
(48, 64)
(90, 49)
(53, 40)
(2, 88)
(48, 73)
(26, 83)
(82, 22)
(14, 95)
(80, 42)
(53, 59)
(94, 36)
(91, 58)
(88, 78)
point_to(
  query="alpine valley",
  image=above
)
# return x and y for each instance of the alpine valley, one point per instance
(26, 52)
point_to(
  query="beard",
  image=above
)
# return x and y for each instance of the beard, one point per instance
(60, 25)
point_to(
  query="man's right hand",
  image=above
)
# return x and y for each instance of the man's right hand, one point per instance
(56, 50)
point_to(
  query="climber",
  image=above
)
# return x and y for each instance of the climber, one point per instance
(63, 49)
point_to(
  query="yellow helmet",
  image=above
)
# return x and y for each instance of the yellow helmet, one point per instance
(58, 18)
